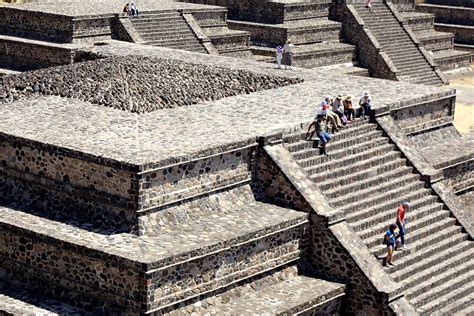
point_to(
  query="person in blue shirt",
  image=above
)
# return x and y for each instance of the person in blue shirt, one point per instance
(390, 239)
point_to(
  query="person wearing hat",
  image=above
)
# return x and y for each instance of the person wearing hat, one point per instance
(288, 53)
(338, 109)
(321, 130)
(390, 240)
(349, 111)
(332, 118)
(365, 103)
(401, 210)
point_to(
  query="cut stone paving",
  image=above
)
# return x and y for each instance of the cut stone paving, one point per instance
(137, 179)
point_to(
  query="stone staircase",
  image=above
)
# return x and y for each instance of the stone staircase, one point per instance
(317, 39)
(167, 29)
(439, 44)
(366, 176)
(203, 245)
(407, 58)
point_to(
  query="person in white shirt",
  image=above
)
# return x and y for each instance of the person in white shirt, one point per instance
(133, 9)
(288, 52)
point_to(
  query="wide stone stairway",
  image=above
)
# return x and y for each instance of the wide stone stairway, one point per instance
(409, 61)
(366, 176)
(167, 29)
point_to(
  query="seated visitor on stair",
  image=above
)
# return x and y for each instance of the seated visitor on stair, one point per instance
(320, 128)
(288, 53)
(126, 8)
(325, 109)
(390, 239)
(365, 103)
(279, 56)
(401, 211)
(338, 108)
(349, 111)
(133, 9)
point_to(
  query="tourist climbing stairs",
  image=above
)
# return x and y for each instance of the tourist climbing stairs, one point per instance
(394, 40)
(366, 176)
(167, 29)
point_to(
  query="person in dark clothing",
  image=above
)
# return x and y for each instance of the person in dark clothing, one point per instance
(390, 240)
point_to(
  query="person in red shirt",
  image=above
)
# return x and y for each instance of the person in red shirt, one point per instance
(402, 209)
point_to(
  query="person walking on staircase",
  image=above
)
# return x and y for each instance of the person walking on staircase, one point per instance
(390, 240)
(319, 127)
(288, 52)
(402, 209)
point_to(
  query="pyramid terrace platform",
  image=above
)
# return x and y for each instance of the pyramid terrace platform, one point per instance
(81, 9)
(145, 141)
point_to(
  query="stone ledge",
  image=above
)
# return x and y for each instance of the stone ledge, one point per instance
(298, 178)
(464, 217)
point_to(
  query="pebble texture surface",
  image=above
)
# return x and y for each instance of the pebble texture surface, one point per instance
(138, 84)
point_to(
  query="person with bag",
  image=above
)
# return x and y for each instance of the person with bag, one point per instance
(390, 240)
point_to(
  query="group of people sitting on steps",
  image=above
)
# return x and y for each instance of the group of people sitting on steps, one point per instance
(131, 9)
(333, 114)
(391, 236)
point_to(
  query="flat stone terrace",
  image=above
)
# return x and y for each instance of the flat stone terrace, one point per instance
(201, 236)
(76, 8)
(172, 135)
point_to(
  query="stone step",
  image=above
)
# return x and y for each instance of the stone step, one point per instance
(365, 218)
(434, 40)
(377, 178)
(165, 33)
(416, 218)
(418, 21)
(366, 202)
(412, 65)
(152, 27)
(454, 295)
(357, 177)
(300, 134)
(451, 59)
(344, 134)
(408, 264)
(423, 238)
(385, 185)
(300, 293)
(361, 165)
(388, 27)
(411, 227)
(358, 148)
(336, 164)
(335, 148)
(419, 283)
(461, 306)
(389, 39)
(171, 39)
(252, 238)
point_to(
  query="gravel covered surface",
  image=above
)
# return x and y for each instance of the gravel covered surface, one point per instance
(139, 84)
